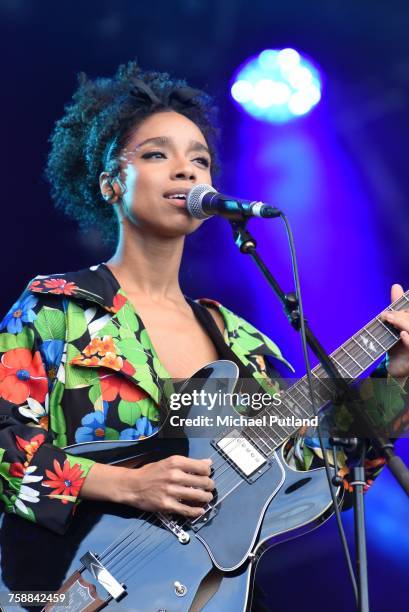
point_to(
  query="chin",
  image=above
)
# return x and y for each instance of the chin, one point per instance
(184, 226)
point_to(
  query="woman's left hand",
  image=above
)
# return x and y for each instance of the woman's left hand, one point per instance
(398, 365)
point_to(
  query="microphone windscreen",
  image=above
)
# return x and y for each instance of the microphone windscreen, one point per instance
(195, 199)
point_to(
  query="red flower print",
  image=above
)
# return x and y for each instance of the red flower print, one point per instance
(127, 368)
(113, 385)
(119, 301)
(22, 375)
(35, 286)
(65, 480)
(30, 446)
(17, 469)
(60, 285)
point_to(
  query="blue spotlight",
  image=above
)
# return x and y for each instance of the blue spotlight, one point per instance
(277, 85)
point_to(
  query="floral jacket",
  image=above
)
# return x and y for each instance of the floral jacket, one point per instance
(77, 365)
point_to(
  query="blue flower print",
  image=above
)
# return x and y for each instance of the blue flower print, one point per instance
(51, 352)
(93, 426)
(143, 428)
(21, 312)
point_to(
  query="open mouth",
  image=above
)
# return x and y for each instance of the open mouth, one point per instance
(181, 197)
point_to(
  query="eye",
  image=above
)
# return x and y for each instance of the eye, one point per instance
(154, 155)
(204, 161)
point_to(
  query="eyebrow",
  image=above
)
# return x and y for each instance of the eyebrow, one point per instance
(194, 145)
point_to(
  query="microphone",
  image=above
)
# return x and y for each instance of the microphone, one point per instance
(203, 202)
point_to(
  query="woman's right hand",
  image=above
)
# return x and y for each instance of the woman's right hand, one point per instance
(178, 484)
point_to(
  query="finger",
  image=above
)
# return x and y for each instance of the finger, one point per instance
(191, 480)
(197, 496)
(202, 467)
(399, 319)
(404, 336)
(396, 292)
(184, 510)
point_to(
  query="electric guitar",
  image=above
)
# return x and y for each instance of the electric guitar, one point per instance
(124, 559)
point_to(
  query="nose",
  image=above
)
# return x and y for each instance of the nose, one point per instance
(184, 170)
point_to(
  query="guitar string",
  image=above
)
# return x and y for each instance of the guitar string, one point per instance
(155, 522)
(107, 552)
(387, 330)
(142, 532)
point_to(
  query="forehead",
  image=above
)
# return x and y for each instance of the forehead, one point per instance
(168, 124)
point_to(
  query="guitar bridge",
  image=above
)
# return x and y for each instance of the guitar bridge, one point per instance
(174, 528)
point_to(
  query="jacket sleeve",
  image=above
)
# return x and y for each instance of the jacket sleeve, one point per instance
(38, 480)
(388, 404)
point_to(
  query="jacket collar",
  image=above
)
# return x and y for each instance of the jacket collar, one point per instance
(122, 343)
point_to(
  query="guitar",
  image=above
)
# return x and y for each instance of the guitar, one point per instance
(117, 557)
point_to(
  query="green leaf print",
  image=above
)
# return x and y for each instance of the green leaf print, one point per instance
(159, 368)
(149, 409)
(110, 329)
(129, 411)
(145, 341)
(78, 376)
(247, 341)
(7, 342)
(127, 318)
(28, 514)
(111, 434)
(50, 324)
(76, 322)
(25, 339)
(131, 351)
(58, 424)
(95, 395)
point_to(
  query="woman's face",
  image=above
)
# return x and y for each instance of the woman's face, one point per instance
(166, 156)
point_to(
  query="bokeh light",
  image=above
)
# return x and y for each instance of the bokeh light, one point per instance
(277, 85)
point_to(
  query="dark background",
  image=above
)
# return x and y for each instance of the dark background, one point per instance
(339, 173)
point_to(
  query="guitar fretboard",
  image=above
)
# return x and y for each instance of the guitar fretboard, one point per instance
(352, 359)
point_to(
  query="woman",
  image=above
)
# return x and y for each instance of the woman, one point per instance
(86, 354)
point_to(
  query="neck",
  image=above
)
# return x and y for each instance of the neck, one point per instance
(148, 265)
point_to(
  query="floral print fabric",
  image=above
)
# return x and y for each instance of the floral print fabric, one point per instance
(78, 366)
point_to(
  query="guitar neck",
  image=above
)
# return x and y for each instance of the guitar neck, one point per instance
(351, 359)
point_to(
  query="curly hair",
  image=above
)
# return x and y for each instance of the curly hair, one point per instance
(97, 125)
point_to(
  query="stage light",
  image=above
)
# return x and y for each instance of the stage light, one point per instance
(277, 85)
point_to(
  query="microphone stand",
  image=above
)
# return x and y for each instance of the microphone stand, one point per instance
(355, 449)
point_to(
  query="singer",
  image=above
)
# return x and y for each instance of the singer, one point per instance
(86, 355)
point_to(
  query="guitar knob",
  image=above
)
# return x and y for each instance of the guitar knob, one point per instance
(180, 589)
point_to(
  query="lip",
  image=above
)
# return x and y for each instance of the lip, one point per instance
(177, 203)
(175, 191)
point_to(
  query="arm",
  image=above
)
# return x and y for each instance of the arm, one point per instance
(38, 481)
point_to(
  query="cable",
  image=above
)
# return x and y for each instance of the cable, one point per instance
(314, 406)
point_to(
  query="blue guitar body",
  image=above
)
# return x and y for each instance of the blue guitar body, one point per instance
(176, 566)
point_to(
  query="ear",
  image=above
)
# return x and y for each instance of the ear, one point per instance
(110, 191)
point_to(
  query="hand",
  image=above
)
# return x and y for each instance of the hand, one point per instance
(174, 485)
(398, 366)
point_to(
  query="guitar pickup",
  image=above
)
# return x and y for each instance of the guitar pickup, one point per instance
(241, 453)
